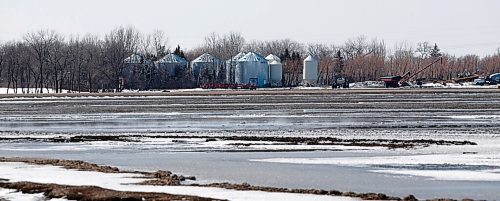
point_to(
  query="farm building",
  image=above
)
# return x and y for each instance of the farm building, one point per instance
(171, 63)
(275, 70)
(135, 70)
(252, 68)
(275, 73)
(310, 71)
(231, 66)
(206, 68)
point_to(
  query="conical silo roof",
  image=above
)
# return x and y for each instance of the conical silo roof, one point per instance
(310, 58)
(272, 58)
(238, 56)
(205, 58)
(172, 58)
(134, 59)
(252, 56)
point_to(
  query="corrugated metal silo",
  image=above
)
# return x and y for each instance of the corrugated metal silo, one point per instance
(252, 66)
(272, 58)
(275, 73)
(170, 63)
(208, 62)
(231, 67)
(310, 71)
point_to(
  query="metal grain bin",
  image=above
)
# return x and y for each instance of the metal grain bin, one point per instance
(171, 63)
(252, 66)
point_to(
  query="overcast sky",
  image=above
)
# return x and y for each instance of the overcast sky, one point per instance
(457, 26)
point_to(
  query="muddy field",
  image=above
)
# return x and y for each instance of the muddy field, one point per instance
(428, 142)
(339, 111)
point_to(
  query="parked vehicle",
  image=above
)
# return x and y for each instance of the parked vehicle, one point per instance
(480, 81)
(493, 79)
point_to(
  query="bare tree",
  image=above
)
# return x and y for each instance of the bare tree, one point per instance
(41, 42)
(159, 43)
(118, 45)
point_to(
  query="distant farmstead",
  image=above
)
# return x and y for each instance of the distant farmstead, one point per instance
(251, 69)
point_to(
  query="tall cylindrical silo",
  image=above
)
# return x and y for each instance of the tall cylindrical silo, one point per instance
(275, 73)
(239, 73)
(231, 67)
(310, 71)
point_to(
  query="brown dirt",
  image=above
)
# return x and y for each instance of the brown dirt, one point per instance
(68, 164)
(154, 178)
(92, 193)
(248, 187)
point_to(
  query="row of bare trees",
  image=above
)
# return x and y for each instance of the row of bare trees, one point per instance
(46, 59)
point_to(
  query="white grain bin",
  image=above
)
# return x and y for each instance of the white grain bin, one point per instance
(171, 63)
(272, 58)
(206, 62)
(231, 67)
(275, 73)
(310, 71)
(252, 67)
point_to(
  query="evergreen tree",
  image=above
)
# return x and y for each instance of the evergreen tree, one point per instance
(339, 63)
(295, 56)
(182, 54)
(285, 56)
(435, 52)
(179, 52)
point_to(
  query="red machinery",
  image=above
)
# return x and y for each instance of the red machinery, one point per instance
(398, 81)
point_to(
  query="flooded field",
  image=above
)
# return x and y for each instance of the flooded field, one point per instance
(430, 143)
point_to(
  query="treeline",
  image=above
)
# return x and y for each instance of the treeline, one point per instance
(46, 59)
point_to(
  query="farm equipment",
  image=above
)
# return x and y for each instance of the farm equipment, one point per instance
(400, 81)
(470, 78)
(340, 82)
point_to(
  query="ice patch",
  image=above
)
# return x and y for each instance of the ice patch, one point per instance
(17, 172)
(449, 175)
(454, 167)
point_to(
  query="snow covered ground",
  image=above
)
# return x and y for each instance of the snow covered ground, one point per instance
(27, 91)
(356, 85)
(17, 172)
(14, 195)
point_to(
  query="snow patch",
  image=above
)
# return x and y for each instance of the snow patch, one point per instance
(17, 172)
